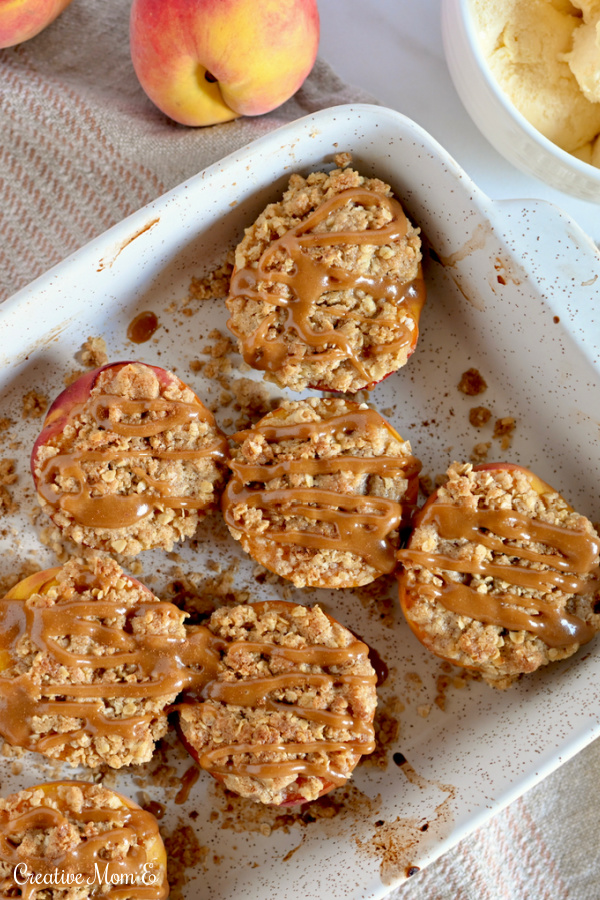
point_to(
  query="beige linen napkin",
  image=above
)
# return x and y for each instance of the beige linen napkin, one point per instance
(80, 148)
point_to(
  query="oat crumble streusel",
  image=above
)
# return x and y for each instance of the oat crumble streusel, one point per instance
(509, 579)
(316, 690)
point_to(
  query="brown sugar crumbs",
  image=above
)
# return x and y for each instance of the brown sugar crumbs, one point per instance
(250, 399)
(503, 429)
(184, 851)
(7, 504)
(93, 353)
(200, 595)
(219, 365)
(472, 383)
(479, 416)
(237, 814)
(387, 730)
(184, 848)
(427, 484)
(8, 476)
(342, 159)
(214, 285)
(480, 452)
(5, 424)
(221, 346)
(452, 677)
(34, 405)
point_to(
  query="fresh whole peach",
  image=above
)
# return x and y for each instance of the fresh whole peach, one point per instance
(23, 19)
(208, 61)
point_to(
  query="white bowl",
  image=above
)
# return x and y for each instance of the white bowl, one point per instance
(496, 117)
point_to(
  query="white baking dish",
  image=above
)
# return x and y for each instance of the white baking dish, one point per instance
(513, 291)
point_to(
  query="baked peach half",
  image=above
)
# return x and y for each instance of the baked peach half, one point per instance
(89, 664)
(500, 574)
(285, 708)
(327, 288)
(320, 491)
(128, 459)
(80, 839)
(38, 583)
(295, 795)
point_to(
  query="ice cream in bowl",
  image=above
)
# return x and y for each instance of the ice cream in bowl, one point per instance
(528, 74)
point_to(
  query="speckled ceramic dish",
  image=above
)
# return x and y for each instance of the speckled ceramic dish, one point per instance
(511, 289)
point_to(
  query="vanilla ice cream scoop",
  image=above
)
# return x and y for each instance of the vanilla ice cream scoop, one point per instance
(545, 55)
(584, 58)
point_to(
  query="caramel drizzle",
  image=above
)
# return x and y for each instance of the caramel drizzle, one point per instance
(572, 553)
(363, 524)
(256, 692)
(88, 858)
(114, 511)
(164, 666)
(310, 279)
(159, 661)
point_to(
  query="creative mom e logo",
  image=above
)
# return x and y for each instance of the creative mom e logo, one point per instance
(22, 875)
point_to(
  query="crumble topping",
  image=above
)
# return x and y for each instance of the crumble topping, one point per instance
(112, 468)
(366, 322)
(499, 654)
(253, 523)
(258, 734)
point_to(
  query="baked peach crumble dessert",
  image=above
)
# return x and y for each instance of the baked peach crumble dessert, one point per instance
(87, 667)
(284, 710)
(500, 574)
(319, 491)
(129, 459)
(327, 288)
(74, 840)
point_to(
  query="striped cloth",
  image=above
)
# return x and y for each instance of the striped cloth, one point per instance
(80, 148)
(542, 847)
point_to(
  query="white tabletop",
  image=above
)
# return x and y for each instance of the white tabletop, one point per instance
(393, 49)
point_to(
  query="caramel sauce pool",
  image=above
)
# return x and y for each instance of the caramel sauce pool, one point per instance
(142, 327)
